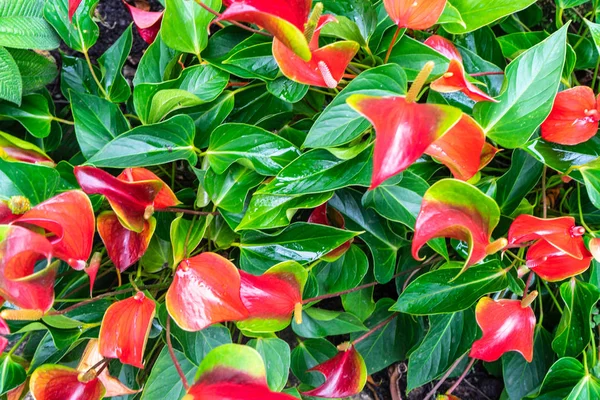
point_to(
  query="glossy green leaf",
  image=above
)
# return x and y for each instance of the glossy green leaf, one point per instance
(97, 122)
(276, 355)
(588, 388)
(378, 236)
(308, 354)
(164, 381)
(449, 337)
(182, 13)
(186, 235)
(299, 242)
(561, 379)
(477, 13)
(36, 182)
(229, 190)
(12, 374)
(157, 63)
(256, 106)
(344, 29)
(22, 26)
(569, 3)
(522, 176)
(318, 323)
(392, 342)
(338, 124)
(574, 329)
(34, 114)
(81, 33)
(253, 147)
(36, 70)
(412, 55)
(207, 117)
(111, 64)
(451, 15)
(274, 211)
(11, 85)
(257, 60)
(204, 82)
(147, 145)
(360, 303)
(158, 256)
(342, 274)
(360, 12)
(287, 90)
(591, 177)
(445, 291)
(483, 42)
(533, 80)
(75, 75)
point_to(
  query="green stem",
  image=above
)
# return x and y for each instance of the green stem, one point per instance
(559, 17)
(91, 66)
(63, 121)
(552, 296)
(582, 221)
(18, 344)
(240, 90)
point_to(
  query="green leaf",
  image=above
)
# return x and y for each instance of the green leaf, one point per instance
(253, 147)
(522, 378)
(392, 342)
(412, 55)
(445, 291)
(522, 176)
(157, 63)
(483, 42)
(11, 85)
(158, 256)
(342, 274)
(276, 355)
(182, 13)
(111, 64)
(533, 80)
(12, 374)
(203, 81)
(34, 114)
(451, 15)
(81, 33)
(36, 69)
(257, 60)
(319, 171)
(570, 3)
(186, 235)
(338, 124)
(256, 106)
(274, 211)
(319, 323)
(75, 75)
(36, 182)
(308, 354)
(301, 242)
(229, 190)
(164, 381)
(97, 122)
(344, 29)
(361, 12)
(360, 302)
(478, 13)
(23, 27)
(591, 176)
(287, 90)
(574, 329)
(148, 145)
(380, 239)
(449, 337)
(516, 43)
(561, 379)
(399, 202)
(588, 388)
(207, 117)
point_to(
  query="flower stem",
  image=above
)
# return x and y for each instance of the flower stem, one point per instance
(173, 357)
(18, 344)
(460, 379)
(374, 329)
(392, 43)
(487, 73)
(186, 211)
(443, 379)
(91, 66)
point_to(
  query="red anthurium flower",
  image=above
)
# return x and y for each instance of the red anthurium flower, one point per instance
(73, 6)
(553, 264)
(404, 130)
(507, 325)
(124, 247)
(20, 284)
(458, 210)
(91, 357)
(92, 269)
(327, 64)
(57, 382)
(561, 233)
(272, 298)
(69, 217)
(285, 19)
(323, 215)
(205, 291)
(233, 372)
(417, 15)
(13, 208)
(345, 375)
(454, 80)
(133, 201)
(461, 149)
(165, 197)
(15, 149)
(4, 330)
(125, 329)
(574, 117)
(146, 22)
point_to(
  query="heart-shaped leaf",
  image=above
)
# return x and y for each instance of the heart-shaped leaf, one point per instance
(125, 329)
(57, 382)
(205, 291)
(180, 13)
(507, 326)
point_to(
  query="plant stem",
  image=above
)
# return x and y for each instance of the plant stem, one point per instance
(392, 43)
(186, 211)
(63, 121)
(374, 329)
(218, 15)
(552, 296)
(91, 66)
(544, 199)
(173, 358)
(443, 379)
(18, 344)
(460, 379)
(487, 73)
(528, 283)
(582, 221)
